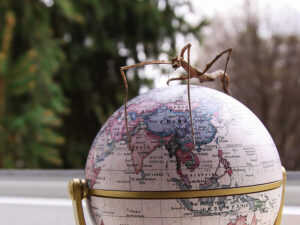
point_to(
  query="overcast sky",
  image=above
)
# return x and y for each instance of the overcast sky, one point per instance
(209, 7)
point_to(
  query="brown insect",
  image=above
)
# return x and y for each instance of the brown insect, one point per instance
(192, 72)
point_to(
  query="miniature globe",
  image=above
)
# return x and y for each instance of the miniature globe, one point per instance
(232, 149)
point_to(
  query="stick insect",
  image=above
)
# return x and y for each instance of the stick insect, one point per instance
(192, 72)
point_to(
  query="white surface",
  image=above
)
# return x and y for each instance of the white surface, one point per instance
(39, 211)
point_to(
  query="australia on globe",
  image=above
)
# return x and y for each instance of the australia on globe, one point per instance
(232, 149)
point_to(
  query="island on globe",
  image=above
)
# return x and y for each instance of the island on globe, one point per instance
(233, 149)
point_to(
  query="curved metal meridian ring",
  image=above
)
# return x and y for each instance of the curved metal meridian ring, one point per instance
(184, 194)
(78, 191)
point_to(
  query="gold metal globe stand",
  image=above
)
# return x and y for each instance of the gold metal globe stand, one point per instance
(78, 191)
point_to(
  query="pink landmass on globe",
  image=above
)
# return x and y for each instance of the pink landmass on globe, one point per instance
(181, 158)
(215, 176)
(241, 220)
(254, 220)
(140, 107)
(225, 163)
(143, 145)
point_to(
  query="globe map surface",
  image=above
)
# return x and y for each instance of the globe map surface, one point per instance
(233, 149)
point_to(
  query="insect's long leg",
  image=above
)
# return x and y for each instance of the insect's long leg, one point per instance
(189, 94)
(216, 58)
(122, 69)
(187, 47)
(181, 77)
(225, 80)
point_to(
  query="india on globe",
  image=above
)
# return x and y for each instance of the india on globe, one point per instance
(230, 175)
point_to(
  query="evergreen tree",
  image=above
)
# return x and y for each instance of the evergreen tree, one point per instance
(30, 99)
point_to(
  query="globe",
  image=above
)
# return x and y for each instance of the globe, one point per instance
(232, 150)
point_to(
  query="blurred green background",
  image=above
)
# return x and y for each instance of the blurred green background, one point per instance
(60, 73)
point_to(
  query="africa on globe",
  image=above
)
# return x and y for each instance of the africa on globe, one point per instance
(233, 151)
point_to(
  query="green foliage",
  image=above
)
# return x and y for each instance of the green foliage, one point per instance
(71, 50)
(30, 100)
